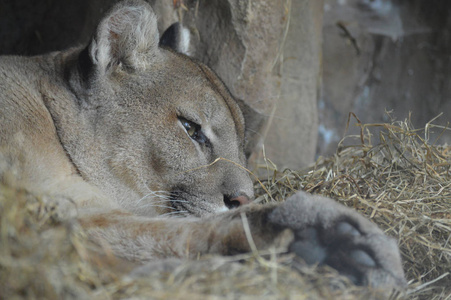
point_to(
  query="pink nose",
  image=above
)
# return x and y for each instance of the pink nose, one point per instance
(234, 202)
(240, 200)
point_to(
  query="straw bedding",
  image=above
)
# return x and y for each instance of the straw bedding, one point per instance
(402, 183)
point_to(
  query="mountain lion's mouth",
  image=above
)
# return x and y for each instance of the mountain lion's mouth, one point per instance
(185, 204)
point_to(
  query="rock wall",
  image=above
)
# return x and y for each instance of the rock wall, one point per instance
(385, 56)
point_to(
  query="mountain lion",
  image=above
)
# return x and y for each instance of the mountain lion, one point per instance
(150, 147)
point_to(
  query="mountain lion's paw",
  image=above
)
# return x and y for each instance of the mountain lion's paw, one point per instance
(328, 233)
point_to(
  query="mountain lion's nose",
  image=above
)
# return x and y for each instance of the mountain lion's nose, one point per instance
(235, 201)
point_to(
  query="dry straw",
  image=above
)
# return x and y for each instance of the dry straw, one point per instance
(402, 183)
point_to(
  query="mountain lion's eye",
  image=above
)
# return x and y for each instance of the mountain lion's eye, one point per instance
(194, 131)
(190, 127)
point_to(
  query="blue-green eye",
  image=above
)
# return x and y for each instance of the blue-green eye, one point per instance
(190, 127)
(194, 131)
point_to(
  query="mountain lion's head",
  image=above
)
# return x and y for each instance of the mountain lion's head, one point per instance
(153, 129)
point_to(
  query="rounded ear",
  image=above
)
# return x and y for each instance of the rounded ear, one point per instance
(127, 35)
(253, 123)
(178, 38)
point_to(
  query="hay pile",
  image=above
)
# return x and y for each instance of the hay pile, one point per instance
(402, 183)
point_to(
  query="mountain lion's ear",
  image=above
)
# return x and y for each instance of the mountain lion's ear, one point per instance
(177, 38)
(253, 123)
(127, 35)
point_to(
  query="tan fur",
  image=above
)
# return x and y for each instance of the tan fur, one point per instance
(100, 128)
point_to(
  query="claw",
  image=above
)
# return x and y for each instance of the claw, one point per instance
(344, 228)
(363, 258)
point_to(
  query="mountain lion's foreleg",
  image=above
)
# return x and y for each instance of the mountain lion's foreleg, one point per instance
(322, 232)
(143, 239)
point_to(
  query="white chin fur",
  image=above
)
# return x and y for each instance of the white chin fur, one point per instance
(222, 209)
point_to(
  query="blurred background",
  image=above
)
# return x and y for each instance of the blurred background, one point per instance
(384, 55)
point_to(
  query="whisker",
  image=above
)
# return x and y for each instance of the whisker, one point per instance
(154, 198)
(170, 200)
(161, 192)
(174, 213)
(153, 195)
(153, 205)
(145, 196)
